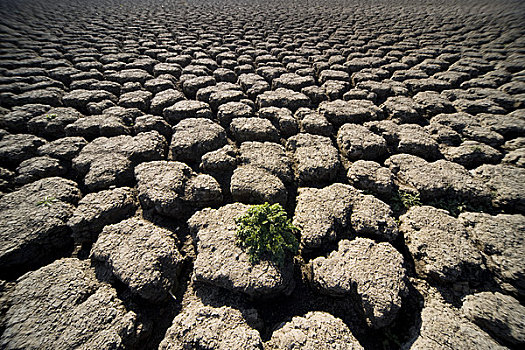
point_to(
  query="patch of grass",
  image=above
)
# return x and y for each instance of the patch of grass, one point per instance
(51, 116)
(403, 200)
(265, 232)
(47, 201)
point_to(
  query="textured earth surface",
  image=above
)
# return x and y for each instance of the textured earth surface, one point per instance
(133, 133)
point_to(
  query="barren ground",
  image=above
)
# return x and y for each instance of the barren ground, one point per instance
(133, 133)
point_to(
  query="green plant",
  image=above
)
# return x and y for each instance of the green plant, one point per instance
(404, 200)
(265, 232)
(51, 116)
(47, 201)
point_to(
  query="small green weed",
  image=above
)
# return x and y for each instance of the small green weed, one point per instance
(404, 200)
(51, 116)
(265, 232)
(47, 201)
(410, 199)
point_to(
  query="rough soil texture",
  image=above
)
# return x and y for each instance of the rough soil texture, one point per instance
(134, 133)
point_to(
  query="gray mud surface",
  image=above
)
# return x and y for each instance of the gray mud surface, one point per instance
(133, 133)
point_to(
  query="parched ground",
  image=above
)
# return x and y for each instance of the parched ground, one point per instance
(134, 133)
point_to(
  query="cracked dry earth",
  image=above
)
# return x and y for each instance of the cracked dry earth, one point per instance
(133, 133)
